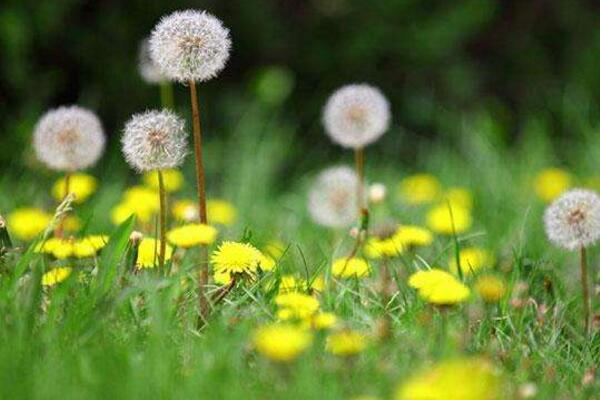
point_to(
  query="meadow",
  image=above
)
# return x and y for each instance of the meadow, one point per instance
(309, 305)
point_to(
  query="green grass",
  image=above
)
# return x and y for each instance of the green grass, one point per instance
(116, 334)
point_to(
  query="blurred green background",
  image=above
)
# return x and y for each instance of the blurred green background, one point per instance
(523, 65)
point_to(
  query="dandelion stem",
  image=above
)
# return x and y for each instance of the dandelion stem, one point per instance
(166, 95)
(224, 291)
(585, 291)
(60, 227)
(163, 221)
(363, 212)
(200, 180)
(359, 161)
(201, 187)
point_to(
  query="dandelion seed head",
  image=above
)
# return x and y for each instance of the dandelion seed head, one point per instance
(148, 69)
(573, 220)
(190, 45)
(68, 138)
(356, 115)
(154, 140)
(332, 200)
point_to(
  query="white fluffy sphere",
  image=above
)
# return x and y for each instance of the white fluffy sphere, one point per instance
(154, 140)
(68, 138)
(190, 46)
(573, 220)
(356, 115)
(332, 200)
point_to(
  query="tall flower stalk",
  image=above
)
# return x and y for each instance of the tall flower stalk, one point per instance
(200, 175)
(163, 219)
(192, 46)
(68, 139)
(155, 141)
(573, 223)
(355, 116)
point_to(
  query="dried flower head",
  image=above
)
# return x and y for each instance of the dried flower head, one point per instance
(154, 140)
(190, 45)
(356, 115)
(332, 201)
(68, 138)
(573, 220)
(148, 69)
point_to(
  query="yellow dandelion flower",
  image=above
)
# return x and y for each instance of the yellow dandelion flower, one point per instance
(439, 287)
(172, 178)
(441, 220)
(317, 284)
(236, 258)
(346, 343)
(57, 247)
(82, 185)
(140, 201)
(222, 278)
(266, 263)
(458, 379)
(62, 249)
(191, 235)
(376, 248)
(55, 276)
(459, 197)
(121, 212)
(413, 236)
(424, 278)
(148, 253)
(420, 189)
(27, 223)
(324, 320)
(295, 305)
(446, 292)
(349, 268)
(185, 210)
(281, 342)
(88, 246)
(289, 283)
(551, 183)
(220, 212)
(472, 259)
(491, 288)
(142, 196)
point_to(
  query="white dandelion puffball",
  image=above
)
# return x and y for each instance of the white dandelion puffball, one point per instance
(149, 71)
(332, 200)
(190, 46)
(68, 138)
(356, 115)
(573, 220)
(154, 140)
